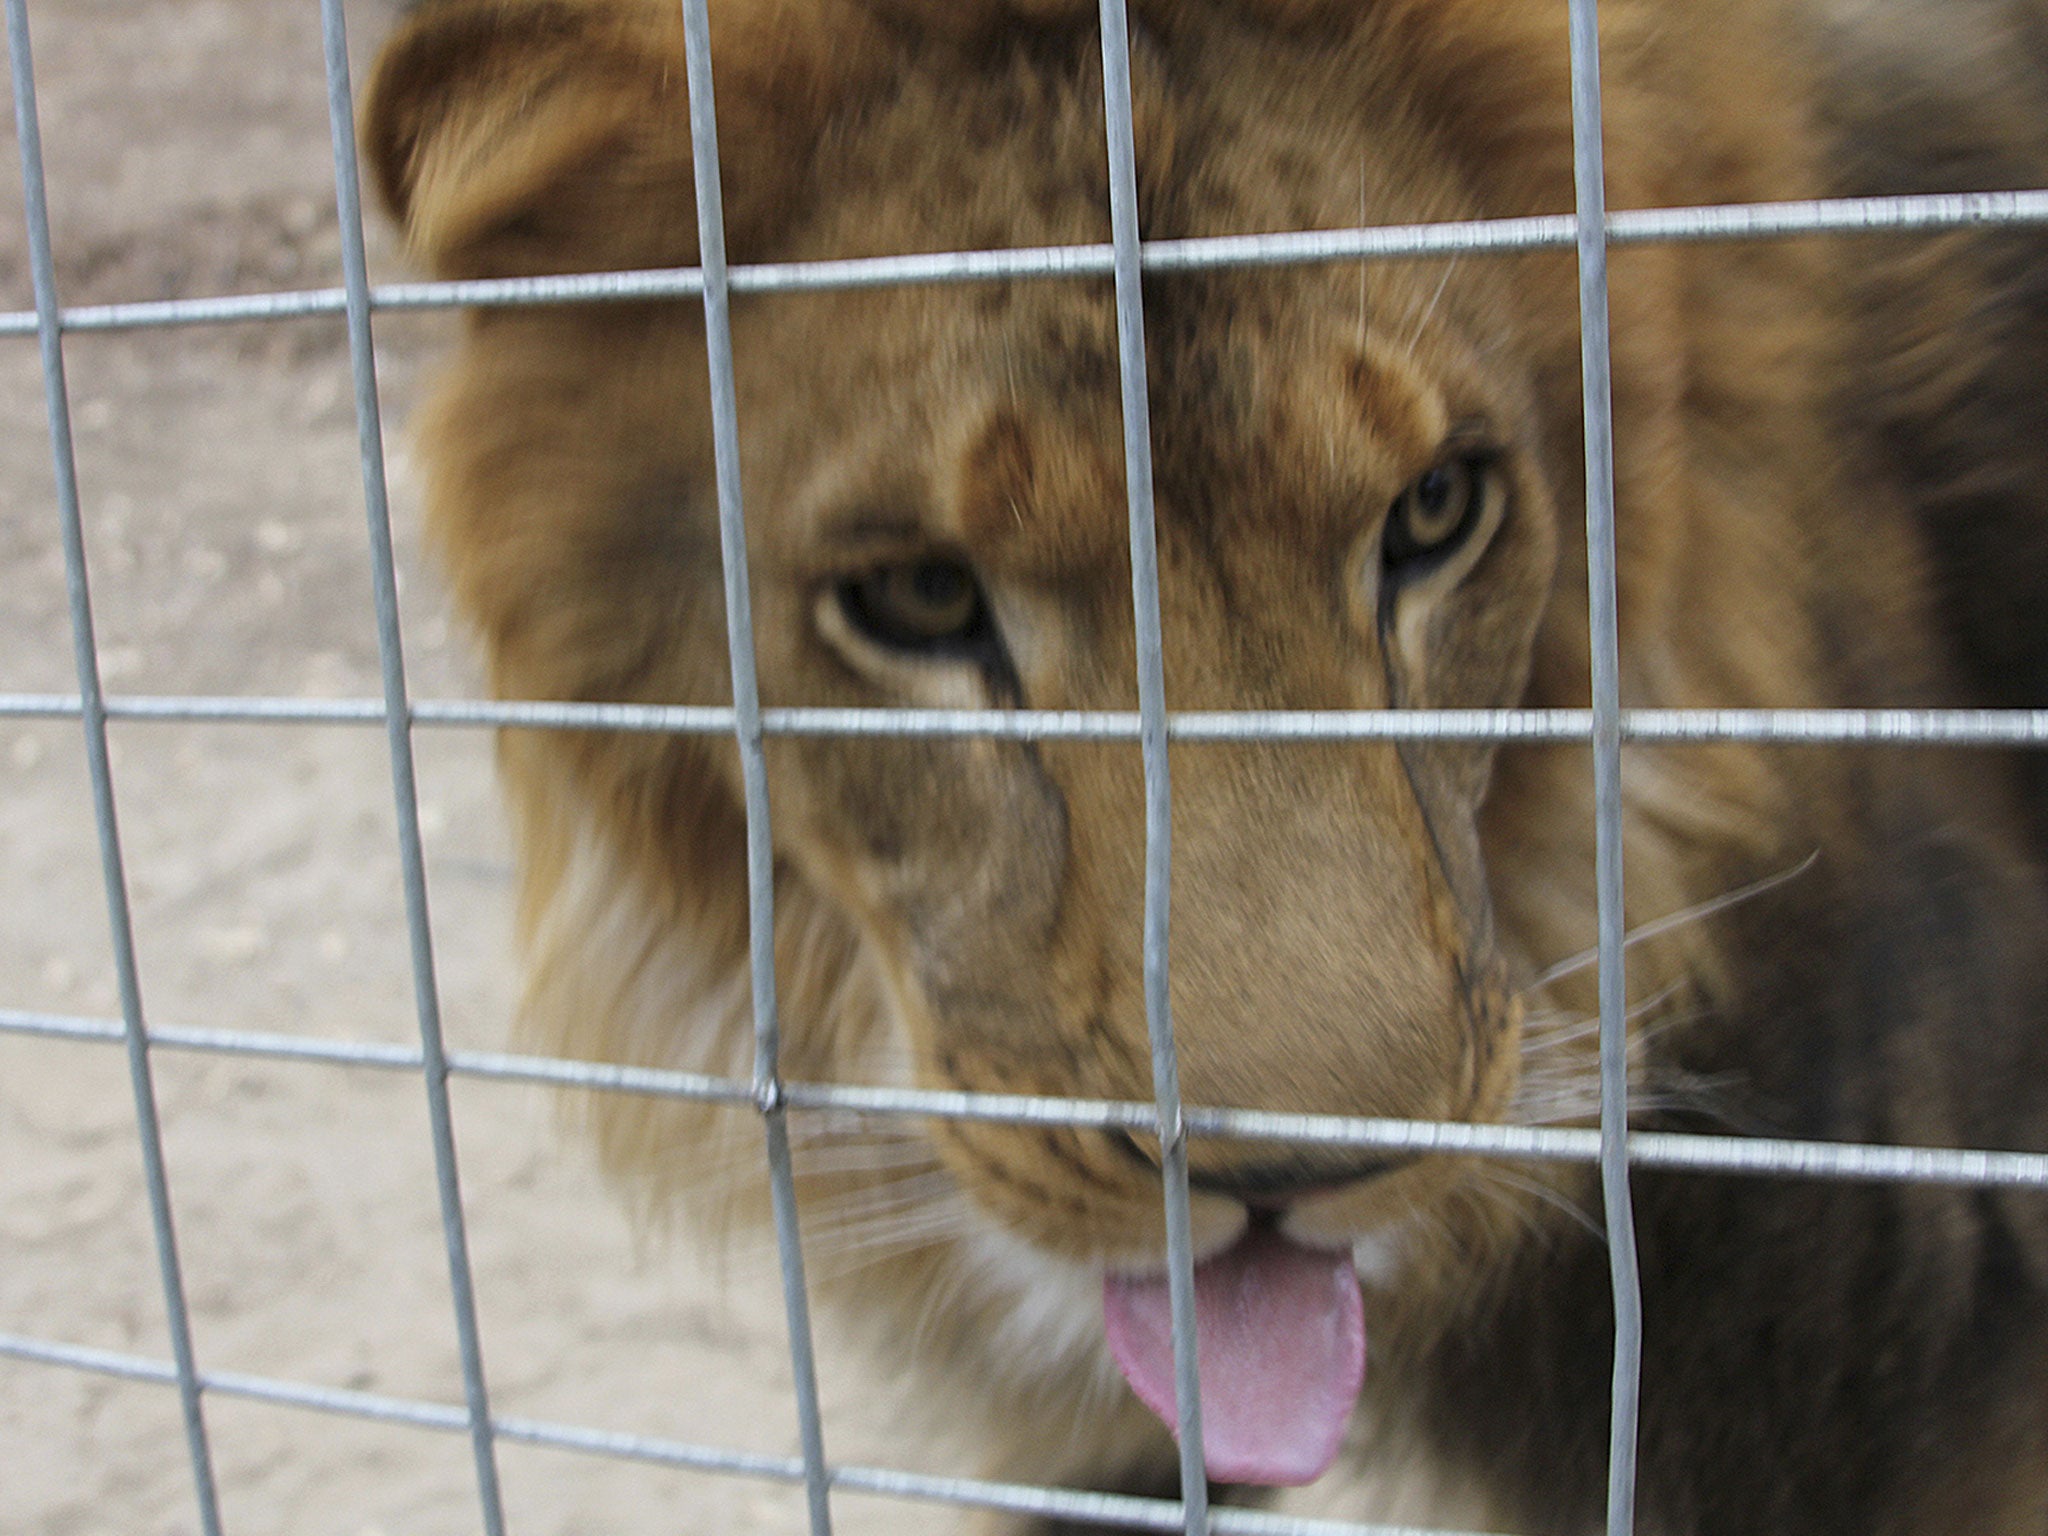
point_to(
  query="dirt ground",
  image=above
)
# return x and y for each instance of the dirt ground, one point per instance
(187, 149)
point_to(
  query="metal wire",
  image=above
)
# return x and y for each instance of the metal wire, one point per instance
(746, 697)
(398, 738)
(1649, 727)
(1067, 1504)
(1151, 659)
(1751, 1155)
(1124, 259)
(1644, 226)
(1590, 194)
(142, 1086)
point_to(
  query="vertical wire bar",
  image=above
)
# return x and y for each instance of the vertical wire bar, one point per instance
(141, 1078)
(1591, 203)
(746, 698)
(1137, 418)
(398, 735)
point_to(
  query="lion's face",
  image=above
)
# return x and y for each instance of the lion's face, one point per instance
(1349, 518)
(949, 530)
(1358, 497)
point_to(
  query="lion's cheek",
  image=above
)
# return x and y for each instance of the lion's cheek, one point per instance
(948, 855)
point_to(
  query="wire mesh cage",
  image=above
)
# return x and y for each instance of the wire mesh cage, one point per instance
(111, 715)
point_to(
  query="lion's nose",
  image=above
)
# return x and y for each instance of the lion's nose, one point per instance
(1273, 1186)
(1274, 1182)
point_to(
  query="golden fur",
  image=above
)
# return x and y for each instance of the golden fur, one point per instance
(1822, 502)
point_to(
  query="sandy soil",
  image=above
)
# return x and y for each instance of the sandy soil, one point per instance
(187, 149)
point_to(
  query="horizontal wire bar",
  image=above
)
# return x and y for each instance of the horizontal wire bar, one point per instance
(1644, 226)
(1640, 226)
(1790, 727)
(250, 709)
(1126, 1511)
(80, 1357)
(1656, 1149)
(1058, 1503)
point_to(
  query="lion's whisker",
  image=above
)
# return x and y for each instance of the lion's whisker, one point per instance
(1514, 1181)
(1542, 1034)
(1429, 309)
(1657, 927)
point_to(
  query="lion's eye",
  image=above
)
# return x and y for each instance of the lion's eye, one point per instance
(1436, 513)
(932, 605)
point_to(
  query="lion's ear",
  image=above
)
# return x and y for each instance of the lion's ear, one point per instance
(533, 136)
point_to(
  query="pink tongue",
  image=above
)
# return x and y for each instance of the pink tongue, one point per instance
(1280, 1340)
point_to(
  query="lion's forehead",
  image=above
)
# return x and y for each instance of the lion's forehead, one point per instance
(991, 420)
(1287, 405)
(1282, 391)
(1233, 133)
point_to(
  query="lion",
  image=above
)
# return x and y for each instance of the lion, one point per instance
(1831, 460)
